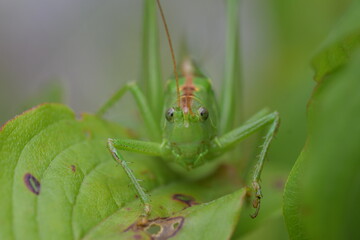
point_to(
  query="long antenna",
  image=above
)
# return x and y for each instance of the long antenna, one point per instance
(172, 52)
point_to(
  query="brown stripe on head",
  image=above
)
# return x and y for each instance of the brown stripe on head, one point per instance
(188, 88)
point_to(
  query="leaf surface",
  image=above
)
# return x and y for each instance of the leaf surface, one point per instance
(59, 181)
(339, 46)
(322, 191)
(212, 220)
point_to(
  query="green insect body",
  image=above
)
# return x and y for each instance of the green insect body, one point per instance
(193, 130)
(189, 130)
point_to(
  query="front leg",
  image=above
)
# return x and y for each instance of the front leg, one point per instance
(148, 148)
(260, 164)
(230, 139)
(145, 110)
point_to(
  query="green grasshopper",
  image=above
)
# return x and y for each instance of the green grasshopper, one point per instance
(191, 132)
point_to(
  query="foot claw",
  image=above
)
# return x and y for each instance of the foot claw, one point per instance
(143, 219)
(257, 200)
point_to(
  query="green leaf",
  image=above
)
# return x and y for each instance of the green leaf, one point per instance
(322, 192)
(213, 220)
(338, 48)
(273, 227)
(59, 181)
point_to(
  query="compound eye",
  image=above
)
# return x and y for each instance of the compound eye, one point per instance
(169, 115)
(204, 114)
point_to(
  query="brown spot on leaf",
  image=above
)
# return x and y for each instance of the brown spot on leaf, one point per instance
(137, 236)
(73, 168)
(32, 183)
(159, 228)
(148, 173)
(188, 200)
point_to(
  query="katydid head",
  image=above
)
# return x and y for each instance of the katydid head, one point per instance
(188, 126)
(188, 134)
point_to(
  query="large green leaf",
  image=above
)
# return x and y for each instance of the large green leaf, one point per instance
(322, 191)
(213, 220)
(339, 46)
(58, 181)
(320, 194)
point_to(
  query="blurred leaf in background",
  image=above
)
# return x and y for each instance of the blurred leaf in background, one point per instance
(279, 76)
(322, 191)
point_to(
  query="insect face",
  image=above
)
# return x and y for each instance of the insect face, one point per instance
(187, 134)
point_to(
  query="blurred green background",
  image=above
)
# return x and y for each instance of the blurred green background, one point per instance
(90, 48)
